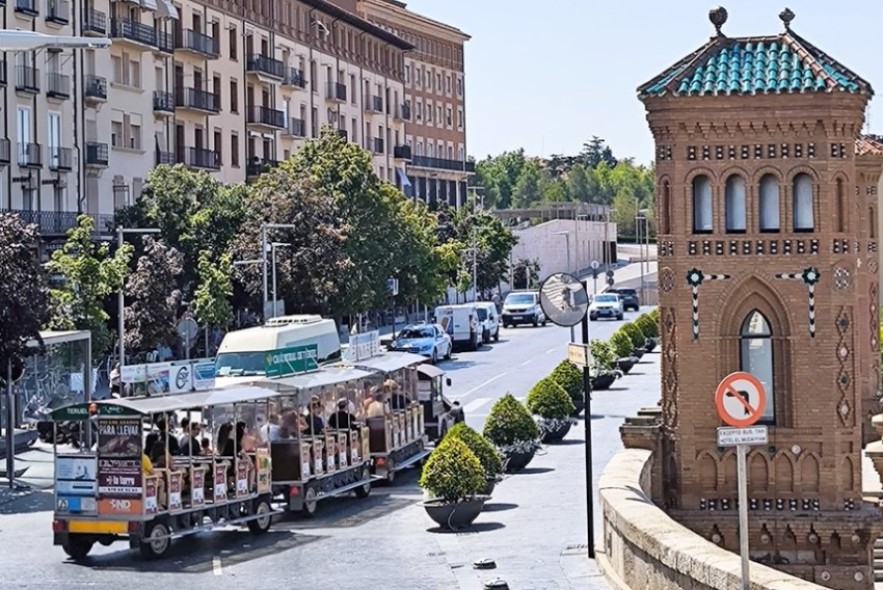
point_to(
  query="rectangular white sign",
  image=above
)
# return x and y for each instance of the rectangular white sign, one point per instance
(578, 354)
(753, 435)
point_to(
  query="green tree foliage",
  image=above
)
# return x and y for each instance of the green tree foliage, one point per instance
(509, 423)
(579, 188)
(453, 472)
(527, 187)
(153, 300)
(547, 399)
(212, 300)
(24, 296)
(499, 175)
(494, 242)
(596, 151)
(525, 273)
(488, 456)
(86, 273)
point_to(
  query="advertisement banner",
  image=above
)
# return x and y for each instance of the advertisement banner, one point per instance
(74, 504)
(197, 492)
(176, 486)
(117, 506)
(119, 437)
(204, 375)
(220, 488)
(151, 489)
(119, 478)
(363, 346)
(170, 377)
(75, 476)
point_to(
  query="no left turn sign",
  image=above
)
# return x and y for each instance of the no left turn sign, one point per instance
(740, 399)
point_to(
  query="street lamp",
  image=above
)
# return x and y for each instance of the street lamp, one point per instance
(566, 235)
(273, 247)
(264, 246)
(641, 216)
(121, 298)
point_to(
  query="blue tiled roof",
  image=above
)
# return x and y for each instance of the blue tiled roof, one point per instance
(762, 65)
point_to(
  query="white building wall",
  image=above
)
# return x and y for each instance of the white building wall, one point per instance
(545, 243)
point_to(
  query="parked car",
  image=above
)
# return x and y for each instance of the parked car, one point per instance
(489, 319)
(605, 305)
(523, 307)
(429, 340)
(461, 323)
(629, 298)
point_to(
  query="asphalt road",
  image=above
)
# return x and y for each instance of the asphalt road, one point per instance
(534, 528)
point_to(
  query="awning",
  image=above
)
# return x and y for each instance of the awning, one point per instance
(390, 361)
(148, 4)
(166, 9)
(430, 371)
(403, 177)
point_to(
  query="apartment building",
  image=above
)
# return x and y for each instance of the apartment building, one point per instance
(226, 86)
(435, 107)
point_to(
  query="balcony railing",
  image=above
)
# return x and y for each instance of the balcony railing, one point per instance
(260, 115)
(374, 103)
(190, 40)
(297, 127)
(442, 164)
(96, 154)
(401, 152)
(4, 151)
(201, 100)
(163, 101)
(165, 157)
(60, 158)
(376, 145)
(95, 87)
(58, 85)
(337, 91)
(264, 64)
(29, 155)
(95, 23)
(404, 112)
(27, 79)
(27, 7)
(202, 158)
(125, 28)
(257, 166)
(58, 11)
(58, 222)
(165, 42)
(295, 77)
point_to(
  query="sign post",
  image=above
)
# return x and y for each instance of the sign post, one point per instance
(740, 399)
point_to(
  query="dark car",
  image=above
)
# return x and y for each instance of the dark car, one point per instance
(629, 298)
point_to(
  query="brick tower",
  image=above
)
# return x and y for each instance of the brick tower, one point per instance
(766, 212)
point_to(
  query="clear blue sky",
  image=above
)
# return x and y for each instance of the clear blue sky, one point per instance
(547, 76)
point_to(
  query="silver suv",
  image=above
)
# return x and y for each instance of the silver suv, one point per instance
(523, 307)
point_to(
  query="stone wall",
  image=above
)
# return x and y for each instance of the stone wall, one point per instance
(644, 548)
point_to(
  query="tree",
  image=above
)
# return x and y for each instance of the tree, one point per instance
(499, 175)
(212, 299)
(578, 186)
(552, 190)
(87, 274)
(525, 273)
(153, 299)
(527, 189)
(24, 297)
(494, 242)
(596, 151)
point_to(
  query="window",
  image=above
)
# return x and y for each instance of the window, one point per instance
(135, 136)
(769, 204)
(448, 84)
(702, 217)
(842, 218)
(234, 150)
(460, 118)
(734, 205)
(438, 114)
(234, 96)
(459, 86)
(756, 357)
(116, 134)
(450, 119)
(407, 74)
(234, 42)
(802, 203)
(664, 204)
(59, 198)
(872, 222)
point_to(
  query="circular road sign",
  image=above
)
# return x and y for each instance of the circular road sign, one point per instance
(564, 299)
(595, 265)
(740, 399)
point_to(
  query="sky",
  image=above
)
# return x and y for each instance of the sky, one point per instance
(547, 76)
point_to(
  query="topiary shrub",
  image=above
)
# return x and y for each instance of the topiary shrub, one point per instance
(568, 376)
(602, 355)
(510, 427)
(452, 472)
(622, 344)
(548, 400)
(481, 447)
(648, 325)
(654, 315)
(635, 334)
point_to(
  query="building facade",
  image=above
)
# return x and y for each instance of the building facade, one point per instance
(434, 106)
(767, 209)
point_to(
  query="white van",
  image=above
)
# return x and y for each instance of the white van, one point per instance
(490, 320)
(461, 323)
(244, 352)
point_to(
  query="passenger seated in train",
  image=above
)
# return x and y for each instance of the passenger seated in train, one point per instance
(314, 422)
(397, 400)
(377, 408)
(342, 419)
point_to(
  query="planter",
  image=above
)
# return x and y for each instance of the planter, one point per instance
(516, 461)
(457, 515)
(651, 344)
(603, 382)
(556, 434)
(638, 353)
(491, 483)
(625, 364)
(579, 404)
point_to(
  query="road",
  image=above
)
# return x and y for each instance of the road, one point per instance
(534, 528)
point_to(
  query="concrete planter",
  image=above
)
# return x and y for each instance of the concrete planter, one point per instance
(651, 344)
(457, 515)
(556, 434)
(518, 461)
(603, 381)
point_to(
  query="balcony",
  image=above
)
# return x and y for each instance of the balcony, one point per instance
(197, 100)
(336, 91)
(96, 154)
(198, 43)
(29, 155)
(257, 166)
(27, 7)
(263, 65)
(442, 164)
(4, 151)
(58, 12)
(297, 127)
(200, 158)
(56, 223)
(27, 79)
(376, 145)
(295, 78)
(95, 88)
(374, 104)
(95, 23)
(401, 152)
(265, 117)
(60, 159)
(58, 86)
(163, 102)
(128, 30)
(165, 42)
(403, 112)
(165, 158)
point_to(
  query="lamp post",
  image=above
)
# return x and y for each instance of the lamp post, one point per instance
(475, 201)
(121, 297)
(641, 216)
(264, 246)
(566, 235)
(273, 247)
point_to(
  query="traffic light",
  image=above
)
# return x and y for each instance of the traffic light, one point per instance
(18, 370)
(610, 280)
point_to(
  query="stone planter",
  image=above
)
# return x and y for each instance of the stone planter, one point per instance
(457, 515)
(579, 404)
(651, 344)
(556, 434)
(638, 353)
(517, 461)
(490, 484)
(625, 364)
(603, 381)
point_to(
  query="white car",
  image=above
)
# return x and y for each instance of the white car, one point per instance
(429, 340)
(489, 318)
(606, 305)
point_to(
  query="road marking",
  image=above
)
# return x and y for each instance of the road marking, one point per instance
(475, 404)
(488, 382)
(216, 566)
(527, 362)
(551, 350)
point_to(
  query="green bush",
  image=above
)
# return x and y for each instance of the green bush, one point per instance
(635, 334)
(509, 422)
(654, 315)
(548, 400)
(487, 455)
(568, 376)
(648, 325)
(453, 472)
(602, 354)
(622, 344)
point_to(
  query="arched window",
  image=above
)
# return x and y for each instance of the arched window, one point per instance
(769, 203)
(872, 222)
(702, 215)
(802, 203)
(756, 357)
(734, 204)
(842, 216)
(664, 204)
